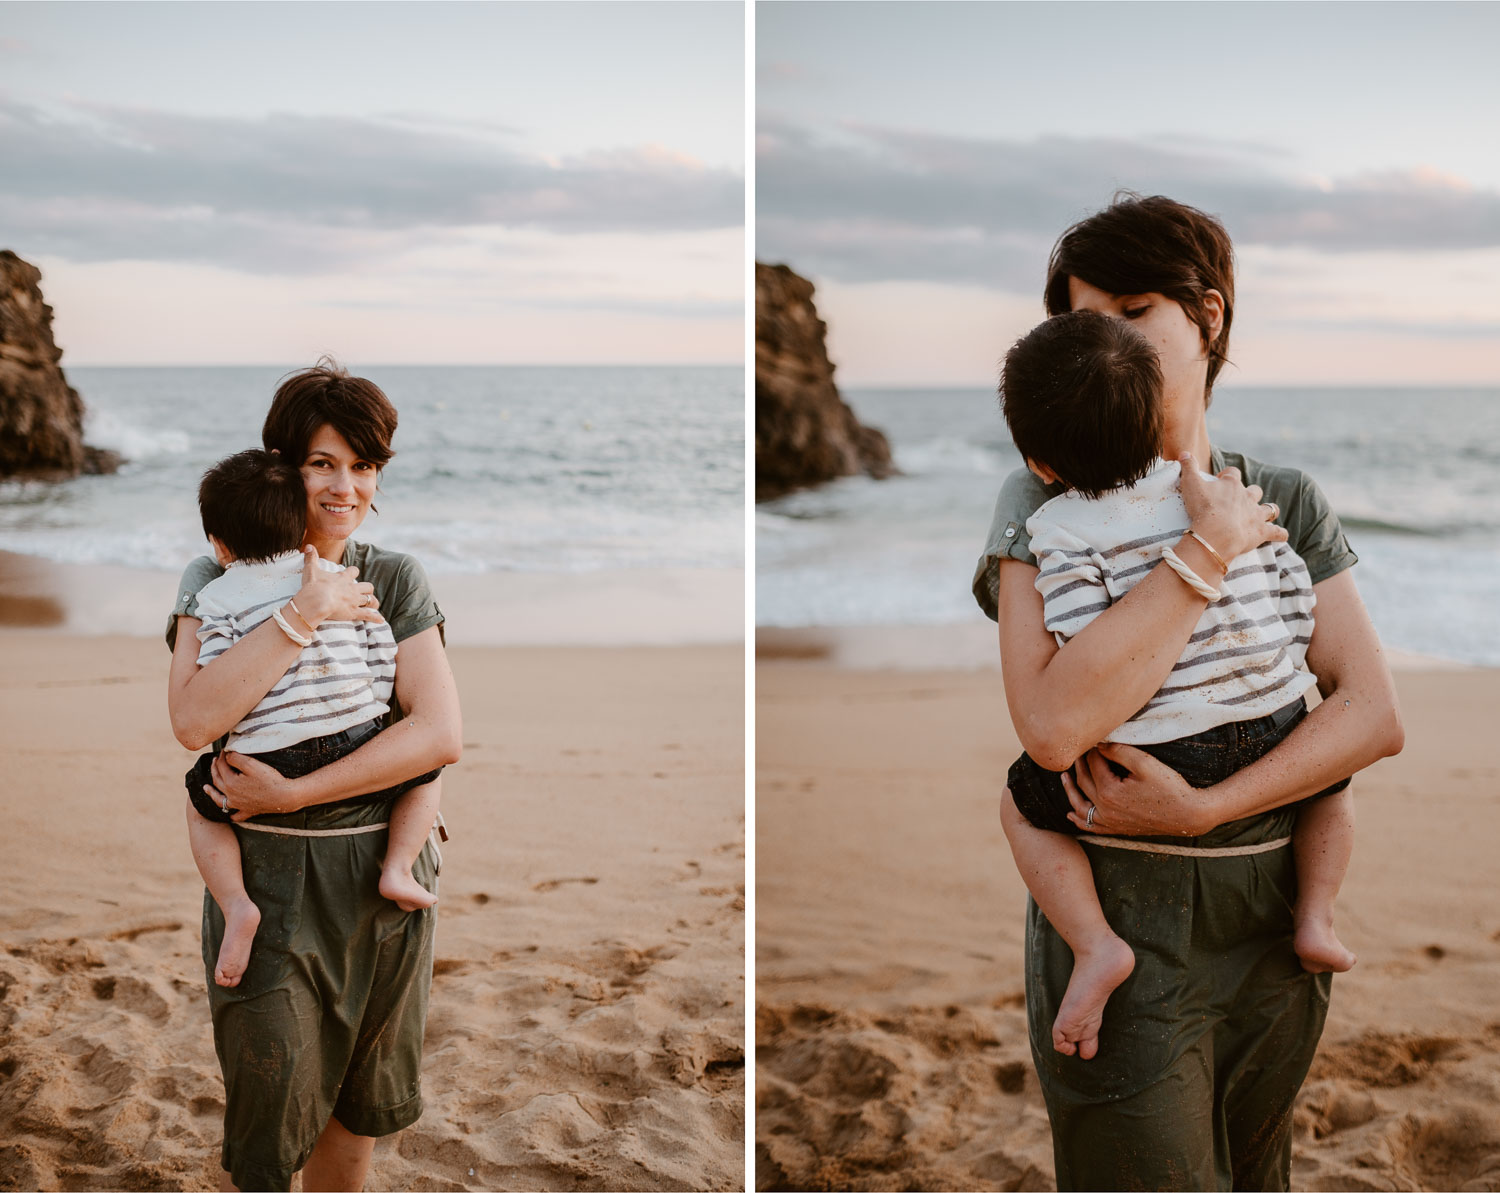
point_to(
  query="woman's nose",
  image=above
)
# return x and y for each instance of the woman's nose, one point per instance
(341, 482)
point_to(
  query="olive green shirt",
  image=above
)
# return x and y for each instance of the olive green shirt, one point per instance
(1313, 527)
(401, 587)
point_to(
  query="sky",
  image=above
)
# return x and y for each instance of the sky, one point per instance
(394, 183)
(917, 162)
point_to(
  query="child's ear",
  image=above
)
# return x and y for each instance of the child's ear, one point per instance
(1042, 472)
(221, 552)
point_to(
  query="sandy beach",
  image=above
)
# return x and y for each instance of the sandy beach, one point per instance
(891, 1045)
(586, 1029)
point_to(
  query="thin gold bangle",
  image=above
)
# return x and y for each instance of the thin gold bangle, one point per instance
(1208, 546)
(311, 629)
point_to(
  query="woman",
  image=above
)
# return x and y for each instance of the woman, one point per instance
(1206, 1044)
(321, 1042)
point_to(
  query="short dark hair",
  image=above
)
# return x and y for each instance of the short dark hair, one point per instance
(255, 504)
(1081, 393)
(1151, 245)
(325, 395)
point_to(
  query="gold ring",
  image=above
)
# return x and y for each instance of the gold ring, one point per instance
(1274, 508)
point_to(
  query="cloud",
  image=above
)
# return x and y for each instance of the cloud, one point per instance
(860, 203)
(297, 193)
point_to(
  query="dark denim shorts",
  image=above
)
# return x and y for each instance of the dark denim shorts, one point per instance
(299, 759)
(1203, 759)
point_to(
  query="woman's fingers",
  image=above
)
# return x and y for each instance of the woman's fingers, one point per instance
(1085, 788)
(1081, 802)
(1232, 516)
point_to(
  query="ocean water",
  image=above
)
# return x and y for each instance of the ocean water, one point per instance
(496, 468)
(1412, 473)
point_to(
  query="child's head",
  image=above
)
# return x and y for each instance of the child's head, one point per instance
(254, 506)
(1081, 393)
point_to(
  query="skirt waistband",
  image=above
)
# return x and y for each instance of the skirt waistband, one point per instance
(1185, 850)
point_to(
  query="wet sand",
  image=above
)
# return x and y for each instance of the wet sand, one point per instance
(586, 1027)
(891, 1045)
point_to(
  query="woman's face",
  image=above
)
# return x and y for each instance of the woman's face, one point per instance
(340, 486)
(1176, 338)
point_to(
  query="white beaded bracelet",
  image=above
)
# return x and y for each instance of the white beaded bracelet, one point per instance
(287, 629)
(1189, 577)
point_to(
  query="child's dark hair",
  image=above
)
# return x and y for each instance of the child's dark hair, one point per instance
(1081, 393)
(255, 504)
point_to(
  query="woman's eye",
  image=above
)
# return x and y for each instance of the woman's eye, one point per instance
(1136, 312)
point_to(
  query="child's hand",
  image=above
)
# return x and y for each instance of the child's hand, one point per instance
(1230, 516)
(334, 596)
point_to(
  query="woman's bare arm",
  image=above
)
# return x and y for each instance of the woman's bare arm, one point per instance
(1358, 723)
(1064, 700)
(428, 736)
(205, 703)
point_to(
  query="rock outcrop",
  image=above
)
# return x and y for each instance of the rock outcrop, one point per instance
(41, 415)
(804, 433)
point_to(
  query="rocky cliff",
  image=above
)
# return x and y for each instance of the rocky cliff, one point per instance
(41, 415)
(804, 433)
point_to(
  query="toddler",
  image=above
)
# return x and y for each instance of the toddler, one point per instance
(1082, 396)
(332, 700)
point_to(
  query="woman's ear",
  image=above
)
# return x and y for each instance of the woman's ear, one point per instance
(1213, 307)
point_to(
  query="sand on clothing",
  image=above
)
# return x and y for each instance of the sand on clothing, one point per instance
(587, 1016)
(891, 1048)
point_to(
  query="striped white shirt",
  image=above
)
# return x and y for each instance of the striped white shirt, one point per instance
(1248, 654)
(343, 679)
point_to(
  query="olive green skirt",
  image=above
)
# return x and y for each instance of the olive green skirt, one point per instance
(1206, 1044)
(327, 1021)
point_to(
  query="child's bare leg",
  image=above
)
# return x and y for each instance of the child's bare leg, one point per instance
(411, 821)
(216, 850)
(1322, 842)
(1057, 873)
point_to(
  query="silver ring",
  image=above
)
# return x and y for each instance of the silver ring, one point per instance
(1089, 820)
(225, 804)
(1274, 508)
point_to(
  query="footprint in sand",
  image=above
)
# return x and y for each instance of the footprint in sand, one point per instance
(552, 884)
(1381, 1061)
(1449, 1149)
(134, 933)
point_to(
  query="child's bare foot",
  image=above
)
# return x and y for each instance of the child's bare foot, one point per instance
(1096, 974)
(241, 919)
(1319, 949)
(405, 891)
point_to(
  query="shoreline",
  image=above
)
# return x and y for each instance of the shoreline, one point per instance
(617, 607)
(970, 646)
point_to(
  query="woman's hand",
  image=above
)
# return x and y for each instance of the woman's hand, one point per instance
(1153, 800)
(250, 787)
(333, 596)
(1230, 516)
